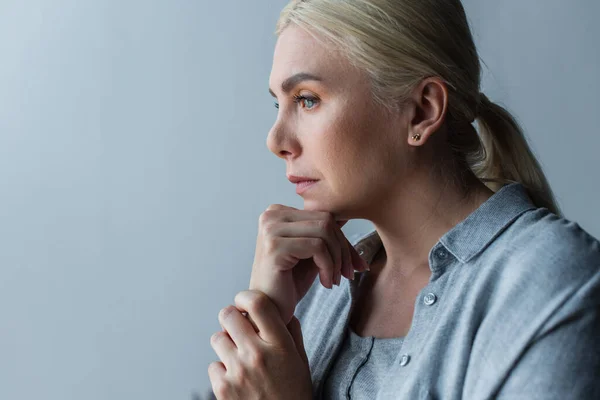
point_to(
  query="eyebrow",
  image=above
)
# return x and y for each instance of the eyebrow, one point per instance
(294, 80)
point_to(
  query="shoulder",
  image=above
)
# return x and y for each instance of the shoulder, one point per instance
(538, 290)
(544, 268)
(554, 232)
(549, 246)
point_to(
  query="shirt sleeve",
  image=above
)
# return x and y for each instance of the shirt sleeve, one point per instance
(563, 361)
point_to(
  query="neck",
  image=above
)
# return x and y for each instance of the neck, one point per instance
(412, 219)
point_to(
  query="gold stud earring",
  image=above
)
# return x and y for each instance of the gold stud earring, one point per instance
(416, 137)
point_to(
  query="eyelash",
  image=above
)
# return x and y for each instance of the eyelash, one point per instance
(298, 99)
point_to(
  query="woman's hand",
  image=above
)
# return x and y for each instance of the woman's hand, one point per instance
(268, 364)
(292, 247)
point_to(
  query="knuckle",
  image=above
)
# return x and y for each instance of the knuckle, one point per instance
(239, 378)
(216, 337)
(272, 244)
(265, 216)
(322, 224)
(239, 297)
(219, 385)
(319, 223)
(213, 365)
(225, 312)
(274, 207)
(268, 228)
(255, 359)
(318, 243)
(259, 304)
(326, 214)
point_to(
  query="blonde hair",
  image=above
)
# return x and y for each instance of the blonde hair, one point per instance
(398, 43)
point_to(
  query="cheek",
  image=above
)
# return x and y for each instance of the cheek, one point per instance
(341, 144)
(352, 148)
(346, 153)
(368, 154)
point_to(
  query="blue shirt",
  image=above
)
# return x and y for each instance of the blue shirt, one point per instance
(361, 366)
(511, 311)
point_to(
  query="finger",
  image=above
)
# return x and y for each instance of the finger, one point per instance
(224, 347)
(347, 259)
(358, 262)
(264, 313)
(325, 229)
(339, 255)
(344, 253)
(328, 231)
(306, 247)
(249, 318)
(347, 247)
(216, 374)
(290, 214)
(295, 330)
(280, 207)
(240, 330)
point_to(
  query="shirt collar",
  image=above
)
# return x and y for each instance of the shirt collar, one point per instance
(469, 237)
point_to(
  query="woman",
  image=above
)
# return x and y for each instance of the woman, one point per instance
(478, 288)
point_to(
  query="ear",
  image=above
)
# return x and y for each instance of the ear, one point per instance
(429, 104)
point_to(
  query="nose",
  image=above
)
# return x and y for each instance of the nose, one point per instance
(279, 142)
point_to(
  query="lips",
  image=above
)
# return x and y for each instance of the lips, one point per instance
(300, 179)
(303, 186)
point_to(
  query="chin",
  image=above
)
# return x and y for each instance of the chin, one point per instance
(331, 205)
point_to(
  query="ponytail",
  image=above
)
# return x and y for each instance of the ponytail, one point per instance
(507, 157)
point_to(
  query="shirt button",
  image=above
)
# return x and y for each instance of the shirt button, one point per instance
(404, 360)
(429, 299)
(441, 253)
(361, 252)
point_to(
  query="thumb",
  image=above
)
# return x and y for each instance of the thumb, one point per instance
(296, 331)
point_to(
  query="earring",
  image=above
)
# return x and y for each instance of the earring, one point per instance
(416, 137)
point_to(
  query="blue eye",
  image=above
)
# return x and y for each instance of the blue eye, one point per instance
(306, 101)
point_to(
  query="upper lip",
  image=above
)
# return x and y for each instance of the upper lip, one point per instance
(298, 179)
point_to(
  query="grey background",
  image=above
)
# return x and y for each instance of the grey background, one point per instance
(134, 166)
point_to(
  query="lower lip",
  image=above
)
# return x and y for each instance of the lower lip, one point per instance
(303, 186)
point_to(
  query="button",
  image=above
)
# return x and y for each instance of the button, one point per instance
(361, 252)
(429, 299)
(404, 360)
(441, 253)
